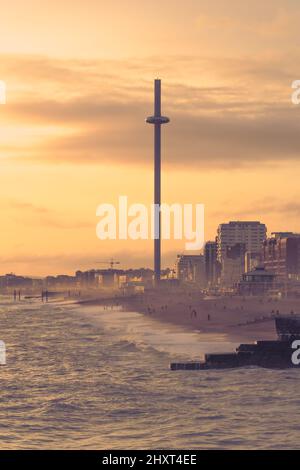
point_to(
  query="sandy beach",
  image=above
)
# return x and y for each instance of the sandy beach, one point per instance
(240, 319)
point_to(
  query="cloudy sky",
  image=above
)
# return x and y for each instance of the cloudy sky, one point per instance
(79, 78)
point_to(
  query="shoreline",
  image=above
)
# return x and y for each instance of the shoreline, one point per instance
(239, 319)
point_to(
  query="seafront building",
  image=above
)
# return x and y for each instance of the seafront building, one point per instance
(234, 240)
(11, 280)
(212, 265)
(233, 265)
(258, 282)
(252, 234)
(281, 255)
(253, 259)
(191, 268)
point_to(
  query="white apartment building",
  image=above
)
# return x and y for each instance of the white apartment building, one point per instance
(252, 234)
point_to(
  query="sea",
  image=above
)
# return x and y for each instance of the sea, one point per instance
(80, 377)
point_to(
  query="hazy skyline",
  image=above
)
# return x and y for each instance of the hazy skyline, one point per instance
(73, 134)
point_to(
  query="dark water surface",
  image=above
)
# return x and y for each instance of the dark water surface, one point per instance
(90, 379)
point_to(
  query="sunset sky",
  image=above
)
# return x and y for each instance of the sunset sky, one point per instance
(79, 78)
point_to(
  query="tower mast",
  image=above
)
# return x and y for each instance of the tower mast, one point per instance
(157, 120)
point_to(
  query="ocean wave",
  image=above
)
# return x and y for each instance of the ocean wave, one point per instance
(80, 380)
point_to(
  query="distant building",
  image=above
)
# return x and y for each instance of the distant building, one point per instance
(141, 275)
(108, 278)
(87, 279)
(233, 265)
(253, 259)
(115, 278)
(212, 265)
(284, 234)
(252, 234)
(13, 281)
(247, 233)
(281, 254)
(191, 268)
(257, 282)
(133, 287)
(60, 281)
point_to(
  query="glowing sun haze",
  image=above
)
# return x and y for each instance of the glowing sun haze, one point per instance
(79, 78)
